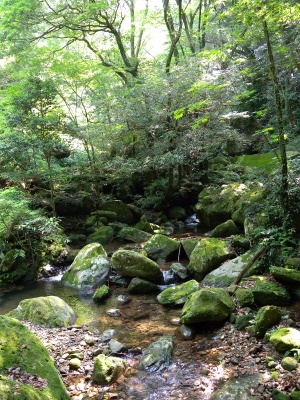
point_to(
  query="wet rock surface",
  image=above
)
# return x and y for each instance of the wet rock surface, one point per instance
(199, 367)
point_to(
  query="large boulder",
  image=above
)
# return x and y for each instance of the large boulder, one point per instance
(189, 245)
(123, 212)
(266, 317)
(135, 265)
(216, 204)
(103, 235)
(161, 247)
(178, 294)
(138, 285)
(254, 195)
(285, 339)
(267, 292)
(20, 347)
(226, 273)
(134, 235)
(49, 311)
(225, 229)
(207, 305)
(107, 369)
(286, 275)
(159, 353)
(208, 255)
(89, 270)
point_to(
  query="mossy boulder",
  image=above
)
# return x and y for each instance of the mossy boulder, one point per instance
(89, 270)
(225, 229)
(134, 235)
(138, 285)
(286, 275)
(157, 354)
(20, 347)
(101, 294)
(107, 369)
(103, 235)
(178, 294)
(135, 265)
(266, 317)
(267, 292)
(145, 225)
(122, 211)
(244, 297)
(180, 270)
(255, 194)
(49, 311)
(226, 273)
(189, 245)
(285, 339)
(161, 247)
(207, 305)
(216, 204)
(208, 255)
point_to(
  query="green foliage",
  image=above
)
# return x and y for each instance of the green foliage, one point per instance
(25, 234)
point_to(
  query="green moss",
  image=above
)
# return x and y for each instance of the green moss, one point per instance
(20, 347)
(101, 294)
(178, 294)
(266, 161)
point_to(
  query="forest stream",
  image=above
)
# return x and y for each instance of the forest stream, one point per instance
(219, 357)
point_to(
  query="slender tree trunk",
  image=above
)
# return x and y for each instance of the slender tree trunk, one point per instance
(281, 136)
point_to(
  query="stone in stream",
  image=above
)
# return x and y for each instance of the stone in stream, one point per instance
(135, 265)
(208, 255)
(207, 305)
(49, 311)
(89, 270)
(21, 348)
(266, 317)
(177, 294)
(134, 235)
(161, 247)
(107, 369)
(101, 294)
(157, 354)
(138, 285)
(180, 270)
(238, 389)
(225, 229)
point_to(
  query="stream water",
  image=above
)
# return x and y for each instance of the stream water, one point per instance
(143, 320)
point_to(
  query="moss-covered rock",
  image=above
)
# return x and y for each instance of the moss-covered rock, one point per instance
(253, 195)
(208, 255)
(225, 229)
(145, 225)
(267, 292)
(189, 245)
(103, 235)
(20, 347)
(138, 285)
(101, 294)
(207, 305)
(161, 247)
(157, 354)
(286, 275)
(178, 294)
(216, 204)
(122, 211)
(289, 363)
(179, 270)
(49, 311)
(244, 297)
(266, 317)
(135, 265)
(89, 270)
(107, 369)
(134, 235)
(285, 339)
(226, 273)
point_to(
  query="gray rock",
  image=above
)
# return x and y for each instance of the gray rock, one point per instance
(158, 354)
(138, 285)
